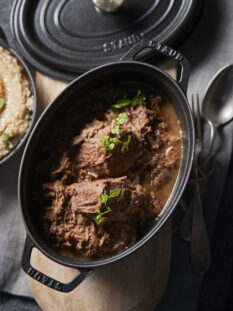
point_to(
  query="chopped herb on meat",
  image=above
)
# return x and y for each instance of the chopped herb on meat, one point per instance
(121, 118)
(121, 103)
(103, 200)
(138, 98)
(110, 142)
(126, 143)
(99, 218)
(134, 101)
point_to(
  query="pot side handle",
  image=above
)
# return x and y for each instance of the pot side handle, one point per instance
(46, 280)
(166, 51)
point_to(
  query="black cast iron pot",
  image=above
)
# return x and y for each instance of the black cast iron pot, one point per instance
(126, 70)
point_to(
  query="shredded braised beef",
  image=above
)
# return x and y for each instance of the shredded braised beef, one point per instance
(72, 216)
(84, 170)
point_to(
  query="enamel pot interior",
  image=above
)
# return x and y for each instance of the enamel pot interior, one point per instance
(127, 71)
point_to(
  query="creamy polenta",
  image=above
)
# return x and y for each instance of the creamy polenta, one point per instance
(16, 102)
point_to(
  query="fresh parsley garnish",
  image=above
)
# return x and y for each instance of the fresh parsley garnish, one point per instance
(126, 143)
(103, 200)
(116, 130)
(104, 197)
(114, 193)
(121, 118)
(99, 218)
(110, 142)
(6, 139)
(121, 103)
(138, 98)
(2, 102)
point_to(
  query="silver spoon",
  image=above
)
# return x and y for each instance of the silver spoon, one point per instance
(217, 107)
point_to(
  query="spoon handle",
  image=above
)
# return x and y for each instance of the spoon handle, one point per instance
(186, 225)
(200, 245)
(213, 131)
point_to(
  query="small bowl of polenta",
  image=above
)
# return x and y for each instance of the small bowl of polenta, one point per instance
(17, 102)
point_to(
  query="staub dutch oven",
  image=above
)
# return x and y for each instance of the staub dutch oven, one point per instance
(126, 70)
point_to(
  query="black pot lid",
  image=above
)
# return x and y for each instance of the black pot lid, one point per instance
(63, 38)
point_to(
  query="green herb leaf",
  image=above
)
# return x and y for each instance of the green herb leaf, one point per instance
(116, 130)
(104, 140)
(121, 103)
(108, 142)
(103, 200)
(111, 146)
(138, 98)
(10, 145)
(98, 217)
(6, 139)
(2, 102)
(121, 118)
(124, 102)
(126, 144)
(114, 193)
(107, 211)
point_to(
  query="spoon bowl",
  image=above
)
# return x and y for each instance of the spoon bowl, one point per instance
(217, 107)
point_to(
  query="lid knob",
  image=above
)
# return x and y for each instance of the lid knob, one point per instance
(108, 5)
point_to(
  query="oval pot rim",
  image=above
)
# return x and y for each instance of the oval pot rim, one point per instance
(160, 220)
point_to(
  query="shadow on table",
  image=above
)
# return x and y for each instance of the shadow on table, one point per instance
(205, 35)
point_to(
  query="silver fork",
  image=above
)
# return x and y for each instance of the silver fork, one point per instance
(200, 246)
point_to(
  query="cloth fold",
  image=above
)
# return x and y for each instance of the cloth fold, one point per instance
(12, 231)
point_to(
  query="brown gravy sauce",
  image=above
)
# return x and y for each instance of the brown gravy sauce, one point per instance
(165, 190)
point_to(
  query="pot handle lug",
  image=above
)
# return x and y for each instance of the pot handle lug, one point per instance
(46, 280)
(166, 51)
